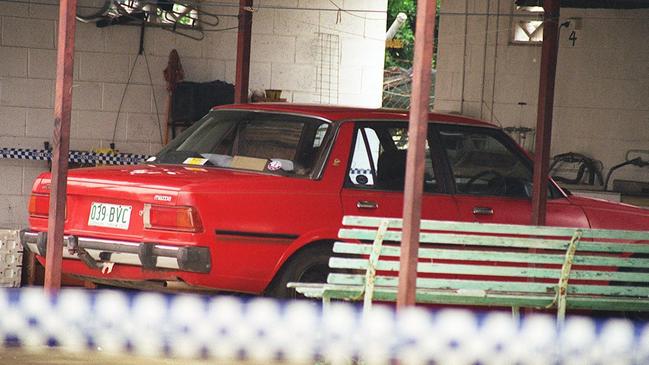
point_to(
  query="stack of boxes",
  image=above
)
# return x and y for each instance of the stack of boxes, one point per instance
(11, 256)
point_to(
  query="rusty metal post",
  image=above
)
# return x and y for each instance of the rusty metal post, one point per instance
(415, 163)
(549, 54)
(243, 52)
(60, 143)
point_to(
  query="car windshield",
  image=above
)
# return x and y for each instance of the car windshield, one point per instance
(258, 141)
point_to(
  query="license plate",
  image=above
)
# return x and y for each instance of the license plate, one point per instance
(110, 215)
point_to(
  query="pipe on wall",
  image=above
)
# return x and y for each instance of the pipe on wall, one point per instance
(484, 58)
(466, 29)
(493, 82)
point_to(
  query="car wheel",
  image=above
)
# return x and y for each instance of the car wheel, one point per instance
(309, 265)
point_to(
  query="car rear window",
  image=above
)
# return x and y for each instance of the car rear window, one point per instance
(259, 141)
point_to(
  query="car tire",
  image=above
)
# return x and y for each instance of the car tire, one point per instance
(309, 265)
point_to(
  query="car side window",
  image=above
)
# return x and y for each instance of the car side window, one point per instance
(483, 165)
(379, 159)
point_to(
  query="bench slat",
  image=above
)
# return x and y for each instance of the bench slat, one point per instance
(501, 256)
(497, 286)
(494, 300)
(455, 284)
(501, 228)
(495, 241)
(492, 270)
(309, 290)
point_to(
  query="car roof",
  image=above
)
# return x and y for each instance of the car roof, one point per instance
(341, 113)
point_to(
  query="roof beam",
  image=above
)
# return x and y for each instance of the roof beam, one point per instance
(592, 4)
(244, 38)
(549, 54)
(415, 162)
(60, 143)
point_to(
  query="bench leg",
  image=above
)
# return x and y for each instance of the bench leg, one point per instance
(326, 303)
(516, 314)
(367, 308)
(561, 316)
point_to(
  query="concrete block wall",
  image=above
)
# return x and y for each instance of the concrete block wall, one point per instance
(602, 85)
(284, 50)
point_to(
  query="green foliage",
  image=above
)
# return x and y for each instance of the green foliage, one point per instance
(402, 57)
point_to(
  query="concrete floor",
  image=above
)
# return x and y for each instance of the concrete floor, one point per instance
(56, 357)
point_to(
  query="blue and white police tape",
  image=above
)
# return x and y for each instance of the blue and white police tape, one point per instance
(264, 330)
(82, 157)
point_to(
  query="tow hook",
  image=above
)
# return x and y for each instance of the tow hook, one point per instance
(85, 257)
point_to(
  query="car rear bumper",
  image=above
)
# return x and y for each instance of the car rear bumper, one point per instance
(101, 253)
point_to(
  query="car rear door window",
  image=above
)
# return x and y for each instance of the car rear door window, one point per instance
(379, 159)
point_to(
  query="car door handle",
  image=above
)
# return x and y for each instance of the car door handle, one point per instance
(366, 204)
(483, 211)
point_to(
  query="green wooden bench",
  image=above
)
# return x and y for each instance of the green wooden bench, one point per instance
(492, 265)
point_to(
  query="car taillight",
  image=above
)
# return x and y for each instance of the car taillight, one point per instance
(39, 205)
(184, 219)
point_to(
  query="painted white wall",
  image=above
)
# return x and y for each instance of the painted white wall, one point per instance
(284, 56)
(602, 84)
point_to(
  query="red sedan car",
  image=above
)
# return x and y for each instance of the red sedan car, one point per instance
(252, 196)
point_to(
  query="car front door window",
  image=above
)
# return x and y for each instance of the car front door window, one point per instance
(482, 164)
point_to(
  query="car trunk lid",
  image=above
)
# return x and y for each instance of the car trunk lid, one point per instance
(110, 200)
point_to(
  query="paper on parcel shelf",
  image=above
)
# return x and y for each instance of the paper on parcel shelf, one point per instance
(248, 163)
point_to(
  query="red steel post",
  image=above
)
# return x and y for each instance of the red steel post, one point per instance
(243, 52)
(417, 132)
(549, 54)
(60, 143)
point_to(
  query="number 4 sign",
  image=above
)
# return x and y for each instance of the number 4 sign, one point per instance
(573, 37)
